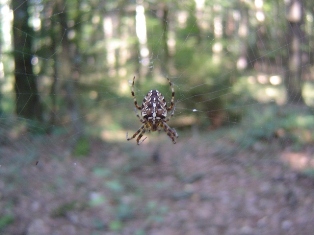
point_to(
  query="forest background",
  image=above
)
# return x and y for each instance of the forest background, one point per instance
(242, 72)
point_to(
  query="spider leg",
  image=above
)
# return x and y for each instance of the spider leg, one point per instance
(138, 116)
(140, 136)
(171, 115)
(172, 95)
(170, 132)
(136, 133)
(133, 94)
(141, 119)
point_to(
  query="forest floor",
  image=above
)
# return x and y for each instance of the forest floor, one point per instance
(193, 187)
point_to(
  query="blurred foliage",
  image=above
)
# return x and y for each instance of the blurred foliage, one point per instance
(6, 220)
(97, 199)
(62, 210)
(309, 172)
(115, 225)
(82, 147)
(271, 122)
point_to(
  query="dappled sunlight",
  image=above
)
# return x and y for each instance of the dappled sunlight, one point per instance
(275, 80)
(113, 136)
(184, 121)
(308, 91)
(125, 87)
(93, 95)
(299, 161)
(264, 88)
(262, 78)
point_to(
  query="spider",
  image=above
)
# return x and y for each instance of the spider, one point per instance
(154, 114)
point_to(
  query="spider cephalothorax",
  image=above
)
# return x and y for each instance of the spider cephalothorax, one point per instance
(154, 114)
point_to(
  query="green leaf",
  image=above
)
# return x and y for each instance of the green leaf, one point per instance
(115, 225)
(6, 220)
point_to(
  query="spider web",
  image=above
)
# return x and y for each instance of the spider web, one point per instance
(235, 163)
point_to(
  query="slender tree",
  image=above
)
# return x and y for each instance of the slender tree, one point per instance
(27, 97)
(296, 39)
(165, 27)
(69, 70)
(1, 67)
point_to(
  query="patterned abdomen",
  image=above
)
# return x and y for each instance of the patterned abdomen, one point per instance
(154, 108)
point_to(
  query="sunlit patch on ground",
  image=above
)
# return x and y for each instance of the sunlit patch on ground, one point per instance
(298, 161)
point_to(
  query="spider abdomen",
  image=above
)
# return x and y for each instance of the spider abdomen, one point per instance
(154, 108)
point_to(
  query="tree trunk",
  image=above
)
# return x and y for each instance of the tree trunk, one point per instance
(141, 32)
(1, 73)
(69, 71)
(165, 24)
(296, 37)
(243, 31)
(217, 47)
(53, 88)
(27, 98)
